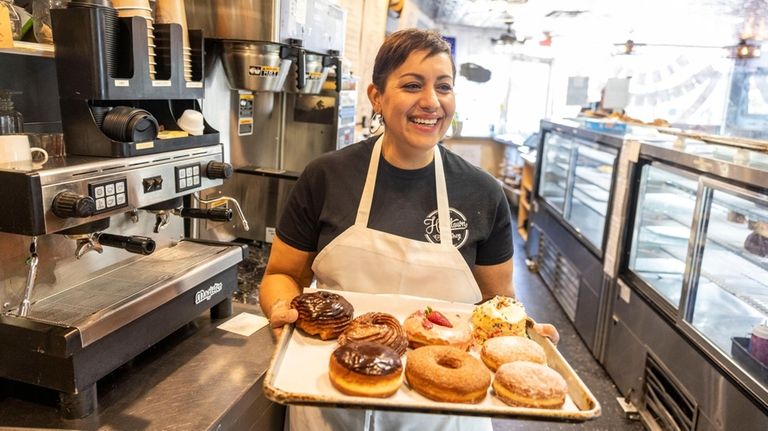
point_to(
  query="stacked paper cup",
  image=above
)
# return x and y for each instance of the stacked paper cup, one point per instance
(142, 9)
(172, 12)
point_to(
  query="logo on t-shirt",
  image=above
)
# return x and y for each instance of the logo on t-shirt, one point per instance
(459, 228)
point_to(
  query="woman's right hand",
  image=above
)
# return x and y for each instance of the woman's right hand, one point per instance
(281, 315)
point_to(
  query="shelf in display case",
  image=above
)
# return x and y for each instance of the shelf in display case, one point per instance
(718, 232)
(605, 159)
(596, 205)
(599, 179)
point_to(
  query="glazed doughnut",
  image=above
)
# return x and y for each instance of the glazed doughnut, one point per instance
(322, 313)
(379, 328)
(366, 369)
(421, 331)
(527, 384)
(500, 350)
(445, 373)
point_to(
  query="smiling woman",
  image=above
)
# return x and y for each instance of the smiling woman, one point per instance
(396, 213)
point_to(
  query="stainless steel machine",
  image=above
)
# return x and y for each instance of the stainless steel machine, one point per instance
(277, 87)
(95, 264)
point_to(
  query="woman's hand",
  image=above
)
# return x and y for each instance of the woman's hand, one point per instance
(282, 314)
(547, 330)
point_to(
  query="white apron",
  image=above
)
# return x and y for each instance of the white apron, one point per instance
(371, 261)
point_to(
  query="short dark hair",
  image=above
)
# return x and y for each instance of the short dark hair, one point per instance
(400, 44)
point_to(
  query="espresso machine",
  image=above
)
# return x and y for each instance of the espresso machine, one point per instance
(277, 85)
(96, 264)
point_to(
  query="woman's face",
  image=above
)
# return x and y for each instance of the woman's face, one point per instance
(417, 103)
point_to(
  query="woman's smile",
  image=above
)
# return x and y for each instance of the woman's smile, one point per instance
(417, 104)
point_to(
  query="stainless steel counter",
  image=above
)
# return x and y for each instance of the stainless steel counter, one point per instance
(198, 378)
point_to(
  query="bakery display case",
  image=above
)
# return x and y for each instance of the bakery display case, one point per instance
(663, 223)
(572, 192)
(576, 183)
(692, 286)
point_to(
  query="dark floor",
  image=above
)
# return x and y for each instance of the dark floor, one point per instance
(542, 306)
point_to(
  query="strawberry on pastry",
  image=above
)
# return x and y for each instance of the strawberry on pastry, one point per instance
(432, 327)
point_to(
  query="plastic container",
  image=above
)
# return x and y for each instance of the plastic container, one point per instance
(191, 121)
(605, 125)
(41, 13)
(758, 344)
(11, 120)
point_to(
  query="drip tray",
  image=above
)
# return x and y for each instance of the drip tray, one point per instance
(117, 297)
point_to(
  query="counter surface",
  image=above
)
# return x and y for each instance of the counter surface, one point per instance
(199, 377)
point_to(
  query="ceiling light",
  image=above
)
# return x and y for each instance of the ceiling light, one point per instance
(746, 49)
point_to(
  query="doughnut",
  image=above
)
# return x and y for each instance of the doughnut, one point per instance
(500, 350)
(760, 228)
(366, 369)
(379, 328)
(422, 330)
(736, 217)
(322, 313)
(527, 384)
(445, 373)
(499, 316)
(756, 244)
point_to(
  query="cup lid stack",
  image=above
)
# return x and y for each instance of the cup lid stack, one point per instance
(142, 9)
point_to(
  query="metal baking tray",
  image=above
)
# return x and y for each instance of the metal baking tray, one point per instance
(298, 371)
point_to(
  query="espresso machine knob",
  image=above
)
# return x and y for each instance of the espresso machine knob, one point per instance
(218, 170)
(69, 204)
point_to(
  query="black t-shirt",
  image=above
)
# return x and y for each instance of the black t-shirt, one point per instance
(324, 202)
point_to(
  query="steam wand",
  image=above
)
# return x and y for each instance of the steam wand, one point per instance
(225, 199)
(32, 261)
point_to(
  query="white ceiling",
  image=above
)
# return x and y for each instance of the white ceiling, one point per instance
(651, 21)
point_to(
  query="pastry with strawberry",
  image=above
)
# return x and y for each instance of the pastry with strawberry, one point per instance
(431, 327)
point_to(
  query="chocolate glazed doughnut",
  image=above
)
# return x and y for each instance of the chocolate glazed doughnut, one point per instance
(322, 313)
(366, 369)
(376, 327)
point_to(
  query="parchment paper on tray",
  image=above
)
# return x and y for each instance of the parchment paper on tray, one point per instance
(298, 372)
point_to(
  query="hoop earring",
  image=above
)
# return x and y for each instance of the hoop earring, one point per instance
(380, 119)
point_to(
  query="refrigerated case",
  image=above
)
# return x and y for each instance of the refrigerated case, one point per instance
(572, 194)
(692, 283)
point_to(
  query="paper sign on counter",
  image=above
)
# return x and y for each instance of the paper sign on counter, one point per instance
(245, 324)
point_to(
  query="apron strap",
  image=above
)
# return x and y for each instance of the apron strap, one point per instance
(443, 210)
(364, 209)
(444, 218)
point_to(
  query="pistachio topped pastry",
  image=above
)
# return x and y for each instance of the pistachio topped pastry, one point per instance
(501, 315)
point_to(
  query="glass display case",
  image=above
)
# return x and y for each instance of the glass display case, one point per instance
(573, 189)
(663, 224)
(696, 249)
(576, 183)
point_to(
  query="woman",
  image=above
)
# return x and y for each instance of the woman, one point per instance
(338, 230)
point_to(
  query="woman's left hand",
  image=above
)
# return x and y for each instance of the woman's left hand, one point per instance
(547, 330)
